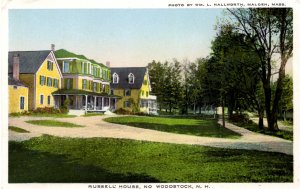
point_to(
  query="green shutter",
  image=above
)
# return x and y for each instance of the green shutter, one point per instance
(82, 83)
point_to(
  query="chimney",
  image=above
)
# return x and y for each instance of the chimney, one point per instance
(16, 66)
(52, 47)
(108, 63)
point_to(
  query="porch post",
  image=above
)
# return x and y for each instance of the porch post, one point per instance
(86, 97)
(102, 103)
(109, 102)
(95, 98)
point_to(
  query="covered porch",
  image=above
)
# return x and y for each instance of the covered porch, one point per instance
(85, 100)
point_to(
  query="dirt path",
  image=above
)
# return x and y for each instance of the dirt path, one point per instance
(96, 127)
(280, 125)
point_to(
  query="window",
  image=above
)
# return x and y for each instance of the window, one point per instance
(42, 80)
(127, 92)
(147, 94)
(42, 99)
(104, 74)
(15, 87)
(84, 84)
(95, 71)
(130, 78)
(68, 83)
(126, 104)
(49, 81)
(49, 99)
(49, 65)
(22, 102)
(82, 67)
(103, 88)
(55, 83)
(115, 78)
(66, 67)
(95, 87)
(112, 92)
(100, 72)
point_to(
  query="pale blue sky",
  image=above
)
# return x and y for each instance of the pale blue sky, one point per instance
(125, 37)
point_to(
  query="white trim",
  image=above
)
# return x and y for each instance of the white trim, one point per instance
(113, 76)
(57, 66)
(34, 92)
(148, 78)
(132, 79)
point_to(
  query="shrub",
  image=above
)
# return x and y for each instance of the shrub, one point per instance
(241, 118)
(123, 112)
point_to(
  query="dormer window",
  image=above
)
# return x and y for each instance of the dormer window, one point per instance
(115, 78)
(130, 78)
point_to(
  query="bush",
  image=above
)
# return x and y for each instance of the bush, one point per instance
(123, 112)
(240, 118)
(127, 112)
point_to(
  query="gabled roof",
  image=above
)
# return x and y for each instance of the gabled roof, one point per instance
(12, 81)
(30, 61)
(123, 72)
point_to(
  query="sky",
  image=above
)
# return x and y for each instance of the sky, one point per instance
(125, 37)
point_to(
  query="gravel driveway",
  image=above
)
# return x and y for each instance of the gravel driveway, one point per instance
(96, 127)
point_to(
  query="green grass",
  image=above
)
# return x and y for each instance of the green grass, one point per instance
(288, 135)
(17, 129)
(92, 114)
(52, 123)
(191, 126)
(50, 159)
(287, 123)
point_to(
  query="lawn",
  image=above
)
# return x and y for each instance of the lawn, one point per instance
(53, 123)
(49, 159)
(288, 135)
(17, 129)
(189, 126)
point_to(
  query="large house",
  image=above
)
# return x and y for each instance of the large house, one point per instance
(36, 72)
(85, 83)
(133, 85)
(50, 78)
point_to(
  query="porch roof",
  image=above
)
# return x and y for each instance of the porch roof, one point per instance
(81, 92)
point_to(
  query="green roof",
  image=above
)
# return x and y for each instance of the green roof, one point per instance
(62, 53)
(81, 92)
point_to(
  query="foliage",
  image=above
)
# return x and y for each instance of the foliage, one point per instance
(52, 123)
(190, 126)
(49, 159)
(166, 82)
(122, 111)
(17, 129)
(43, 112)
(268, 31)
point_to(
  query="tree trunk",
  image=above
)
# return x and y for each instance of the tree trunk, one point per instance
(223, 114)
(261, 119)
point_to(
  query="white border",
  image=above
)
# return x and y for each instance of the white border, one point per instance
(125, 4)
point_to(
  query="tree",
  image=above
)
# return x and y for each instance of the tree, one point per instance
(270, 31)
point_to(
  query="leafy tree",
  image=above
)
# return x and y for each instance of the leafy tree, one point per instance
(269, 31)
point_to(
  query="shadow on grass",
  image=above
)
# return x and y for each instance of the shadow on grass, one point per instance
(28, 166)
(211, 130)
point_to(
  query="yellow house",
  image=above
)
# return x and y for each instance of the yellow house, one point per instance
(39, 71)
(18, 96)
(133, 85)
(86, 83)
